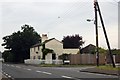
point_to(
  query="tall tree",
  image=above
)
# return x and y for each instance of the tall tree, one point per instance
(72, 41)
(19, 42)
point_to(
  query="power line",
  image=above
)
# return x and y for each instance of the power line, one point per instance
(68, 13)
(115, 3)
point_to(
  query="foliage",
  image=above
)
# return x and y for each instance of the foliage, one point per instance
(101, 51)
(45, 51)
(72, 41)
(43, 47)
(108, 67)
(91, 49)
(64, 56)
(19, 43)
(115, 51)
(8, 57)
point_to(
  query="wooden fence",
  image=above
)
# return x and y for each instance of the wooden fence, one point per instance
(91, 59)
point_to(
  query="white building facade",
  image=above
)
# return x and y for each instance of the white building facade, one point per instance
(52, 44)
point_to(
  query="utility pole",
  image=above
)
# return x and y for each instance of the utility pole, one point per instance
(104, 30)
(96, 27)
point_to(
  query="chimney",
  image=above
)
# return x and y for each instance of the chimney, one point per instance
(44, 37)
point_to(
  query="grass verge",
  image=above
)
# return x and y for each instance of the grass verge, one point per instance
(108, 67)
(60, 65)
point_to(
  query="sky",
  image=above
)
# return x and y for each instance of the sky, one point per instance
(59, 18)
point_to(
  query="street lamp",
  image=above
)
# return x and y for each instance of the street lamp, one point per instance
(89, 20)
(96, 28)
(97, 9)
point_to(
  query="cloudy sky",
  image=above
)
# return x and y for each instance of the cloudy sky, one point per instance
(60, 18)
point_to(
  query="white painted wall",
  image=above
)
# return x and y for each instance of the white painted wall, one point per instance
(33, 52)
(70, 51)
(48, 58)
(56, 46)
(44, 37)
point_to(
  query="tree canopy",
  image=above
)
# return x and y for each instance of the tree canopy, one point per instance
(18, 43)
(74, 41)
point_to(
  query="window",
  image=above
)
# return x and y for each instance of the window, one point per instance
(38, 48)
(36, 52)
(38, 57)
(33, 57)
(34, 48)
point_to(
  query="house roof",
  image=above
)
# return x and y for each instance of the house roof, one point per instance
(51, 40)
(46, 41)
(88, 48)
(38, 44)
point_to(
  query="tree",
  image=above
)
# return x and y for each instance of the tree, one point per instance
(19, 43)
(115, 51)
(72, 41)
(8, 56)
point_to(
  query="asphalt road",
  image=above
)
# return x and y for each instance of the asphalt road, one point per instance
(23, 72)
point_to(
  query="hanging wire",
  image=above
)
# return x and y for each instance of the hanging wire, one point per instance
(114, 2)
(69, 11)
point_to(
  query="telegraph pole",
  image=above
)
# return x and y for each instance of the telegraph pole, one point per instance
(96, 27)
(104, 30)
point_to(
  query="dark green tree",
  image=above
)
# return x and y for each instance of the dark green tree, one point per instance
(74, 41)
(19, 43)
(8, 56)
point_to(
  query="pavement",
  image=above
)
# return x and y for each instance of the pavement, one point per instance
(101, 71)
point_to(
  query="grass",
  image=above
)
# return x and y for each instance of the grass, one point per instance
(108, 67)
(61, 65)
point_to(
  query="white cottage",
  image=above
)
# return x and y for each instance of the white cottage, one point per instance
(52, 44)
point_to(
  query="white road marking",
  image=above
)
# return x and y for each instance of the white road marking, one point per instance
(46, 73)
(18, 66)
(12, 65)
(38, 71)
(66, 77)
(6, 74)
(9, 76)
(29, 69)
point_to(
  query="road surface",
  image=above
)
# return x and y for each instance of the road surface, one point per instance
(28, 72)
